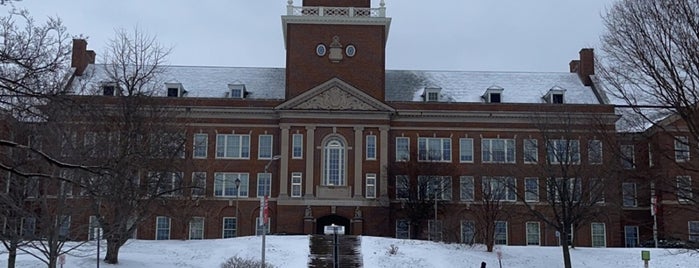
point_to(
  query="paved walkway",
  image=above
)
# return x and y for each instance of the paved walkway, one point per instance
(321, 247)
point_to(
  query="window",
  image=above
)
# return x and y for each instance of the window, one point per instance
(563, 151)
(162, 228)
(31, 188)
(264, 184)
(297, 146)
(629, 194)
(568, 188)
(63, 226)
(434, 187)
(198, 183)
(533, 234)
(108, 90)
(531, 188)
(466, 188)
(498, 150)
(627, 157)
(594, 152)
(233, 146)
(260, 227)
(371, 147)
(230, 229)
(468, 232)
(494, 97)
(370, 185)
(499, 188)
(432, 94)
(501, 233)
(684, 188)
(466, 150)
(403, 229)
(167, 183)
(201, 142)
(599, 234)
(95, 229)
(334, 163)
(596, 190)
(693, 231)
(681, 149)
(402, 187)
(28, 227)
(556, 98)
(265, 147)
(531, 151)
(237, 91)
(402, 149)
(66, 187)
(173, 92)
(196, 228)
(630, 236)
(434, 149)
(650, 155)
(296, 184)
(224, 185)
(435, 230)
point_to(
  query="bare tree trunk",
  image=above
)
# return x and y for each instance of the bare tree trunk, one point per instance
(566, 255)
(11, 258)
(112, 256)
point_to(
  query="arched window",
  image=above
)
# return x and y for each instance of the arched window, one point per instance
(334, 162)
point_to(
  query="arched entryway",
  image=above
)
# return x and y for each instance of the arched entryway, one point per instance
(332, 219)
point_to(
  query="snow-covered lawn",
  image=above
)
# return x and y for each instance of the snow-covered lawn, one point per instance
(292, 251)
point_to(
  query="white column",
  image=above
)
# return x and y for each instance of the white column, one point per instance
(383, 161)
(284, 166)
(310, 152)
(358, 152)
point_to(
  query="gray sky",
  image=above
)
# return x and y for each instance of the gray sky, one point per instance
(464, 35)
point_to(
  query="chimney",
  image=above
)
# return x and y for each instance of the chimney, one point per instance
(586, 66)
(81, 57)
(574, 65)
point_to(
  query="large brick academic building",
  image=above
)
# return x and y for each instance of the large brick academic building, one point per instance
(328, 136)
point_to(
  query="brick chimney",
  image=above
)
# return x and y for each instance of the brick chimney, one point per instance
(81, 57)
(585, 66)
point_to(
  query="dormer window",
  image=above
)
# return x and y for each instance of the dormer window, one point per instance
(236, 91)
(493, 94)
(555, 95)
(432, 94)
(109, 89)
(175, 90)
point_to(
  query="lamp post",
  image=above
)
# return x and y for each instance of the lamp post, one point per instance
(264, 207)
(237, 191)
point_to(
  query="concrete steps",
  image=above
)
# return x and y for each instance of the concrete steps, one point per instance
(321, 248)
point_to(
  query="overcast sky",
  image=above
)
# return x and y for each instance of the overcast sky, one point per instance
(464, 35)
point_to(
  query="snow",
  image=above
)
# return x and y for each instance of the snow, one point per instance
(293, 251)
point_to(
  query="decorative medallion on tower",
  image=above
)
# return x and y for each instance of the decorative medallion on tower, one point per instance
(335, 50)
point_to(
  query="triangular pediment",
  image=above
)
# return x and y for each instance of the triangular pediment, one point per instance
(336, 95)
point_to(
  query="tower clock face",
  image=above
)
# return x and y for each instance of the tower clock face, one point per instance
(321, 50)
(350, 51)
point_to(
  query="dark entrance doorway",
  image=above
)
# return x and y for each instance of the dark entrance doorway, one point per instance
(332, 219)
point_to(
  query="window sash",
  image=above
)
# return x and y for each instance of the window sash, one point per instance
(296, 189)
(631, 236)
(684, 188)
(498, 150)
(533, 230)
(371, 147)
(466, 150)
(499, 188)
(402, 187)
(297, 146)
(199, 181)
(594, 152)
(371, 185)
(467, 188)
(162, 228)
(402, 149)
(531, 188)
(434, 149)
(628, 160)
(224, 184)
(201, 142)
(196, 228)
(403, 229)
(265, 147)
(563, 151)
(531, 151)
(468, 232)
(233, 146)
(438, 187)
(500, 233)
(599, 235)
(681, 149)
(229, 227)
(629, 194)
(334, 168)
(264, 184)
(435, 229)
(693, 230)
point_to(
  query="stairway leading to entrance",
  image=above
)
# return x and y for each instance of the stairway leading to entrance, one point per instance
(321, 247)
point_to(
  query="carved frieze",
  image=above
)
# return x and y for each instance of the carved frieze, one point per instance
(335, 99)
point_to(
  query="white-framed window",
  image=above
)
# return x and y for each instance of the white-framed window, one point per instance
(162, 228)
(233, 146)
(370, 185)
(569, 188)
(631, 236)
(264, 184)
(628, 160)
(434, 149)
(334, 162)
(499, 188)
(237, 91)
(596, 190)
(434, 187)
(628, 192)
(533, 233)
(168, 183)
(94, 229)
(684, 188)
(402, 148)
(466, 188)
(371, 147)
(201, 145)
(196, 228)
(563, 151)
(265, 147)
(531, 151)
(531, 189)
(693, 231)
(594, 152)
(498, 150)
(434, 228)
(28, 227)
(501, 233)
(599, 234)
(63, 226)
(466, 150)
(468, 232)
(403, 229)
(681, 149)
(198, 183)
(224, 184)
(296, 179)
(402, 187)
(260, 227)
(297, 146)
(230, 227)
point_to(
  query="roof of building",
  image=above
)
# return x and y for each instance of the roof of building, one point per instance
(401, 86)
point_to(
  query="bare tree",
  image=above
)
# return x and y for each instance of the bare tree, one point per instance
(497, 195)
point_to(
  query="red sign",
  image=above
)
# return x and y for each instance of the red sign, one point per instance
(266, 210)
